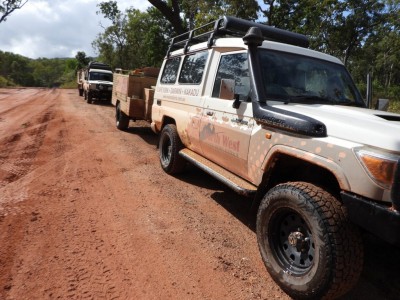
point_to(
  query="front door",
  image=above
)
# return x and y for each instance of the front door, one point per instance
(225, 131)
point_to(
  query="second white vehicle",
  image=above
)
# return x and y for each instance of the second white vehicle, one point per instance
(98, 82)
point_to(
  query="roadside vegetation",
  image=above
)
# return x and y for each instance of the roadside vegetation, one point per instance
(17, 70)
(364, 34)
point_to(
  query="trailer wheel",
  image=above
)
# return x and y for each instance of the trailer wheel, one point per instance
(307, 244)
(169, 147)
(122, 120)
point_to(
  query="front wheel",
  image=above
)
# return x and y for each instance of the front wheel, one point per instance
(169, 146)
(89, 98)
(122, 120)
(308, 245)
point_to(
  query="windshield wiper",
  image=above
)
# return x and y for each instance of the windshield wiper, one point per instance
(308, 98)
(347, 102)
(319, 100)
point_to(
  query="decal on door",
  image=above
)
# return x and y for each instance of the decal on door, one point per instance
(219, 140)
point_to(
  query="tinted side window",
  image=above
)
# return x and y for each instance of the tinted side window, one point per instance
(233, 66)
(193, 68)
(171, 70)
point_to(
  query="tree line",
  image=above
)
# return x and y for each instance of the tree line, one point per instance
(364, 34)
(17, 70)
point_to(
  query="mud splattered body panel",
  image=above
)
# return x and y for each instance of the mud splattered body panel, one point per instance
(226, 132)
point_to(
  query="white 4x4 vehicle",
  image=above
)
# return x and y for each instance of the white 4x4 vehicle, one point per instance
(287, 126)
(97, 82)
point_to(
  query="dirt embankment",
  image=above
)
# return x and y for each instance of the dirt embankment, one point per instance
(87, 212)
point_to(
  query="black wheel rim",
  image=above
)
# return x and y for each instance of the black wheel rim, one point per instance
(291, 241)
(166, 150)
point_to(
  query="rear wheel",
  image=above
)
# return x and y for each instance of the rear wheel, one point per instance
(169, 147)
(122, 120)
(307, 243)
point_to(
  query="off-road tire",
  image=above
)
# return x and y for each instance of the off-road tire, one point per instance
(307, 243)
(121, 119)
(169, 146)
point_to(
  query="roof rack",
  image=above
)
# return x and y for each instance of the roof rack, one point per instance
(235, 27)
(98, 65)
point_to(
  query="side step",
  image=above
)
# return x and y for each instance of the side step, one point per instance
(236, 183)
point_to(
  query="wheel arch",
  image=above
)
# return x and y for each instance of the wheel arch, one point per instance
(284, 164)
(167, 120)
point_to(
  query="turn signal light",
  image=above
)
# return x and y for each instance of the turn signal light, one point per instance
(381, 168)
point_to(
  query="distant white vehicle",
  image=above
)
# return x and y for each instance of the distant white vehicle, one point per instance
(95, 82)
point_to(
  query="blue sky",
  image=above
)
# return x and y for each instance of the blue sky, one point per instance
(56, 28)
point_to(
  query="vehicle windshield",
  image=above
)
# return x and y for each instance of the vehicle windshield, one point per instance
(294, 78)
(100, 76)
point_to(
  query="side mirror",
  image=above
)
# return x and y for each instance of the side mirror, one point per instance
(227, 92)
(382, 104)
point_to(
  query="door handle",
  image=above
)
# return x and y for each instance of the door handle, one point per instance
(210, 113)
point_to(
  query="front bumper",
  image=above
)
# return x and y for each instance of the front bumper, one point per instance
(99, 95)
(378, 219)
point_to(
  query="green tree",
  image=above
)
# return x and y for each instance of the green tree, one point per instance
(171, 10)
(336, 27)
(114, 34)
(211, 10)
(81, 60)
(140, 40)
(185, 15)
(148, 34)
(8, 6)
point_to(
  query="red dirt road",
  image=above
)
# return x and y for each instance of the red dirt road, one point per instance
(87, 212)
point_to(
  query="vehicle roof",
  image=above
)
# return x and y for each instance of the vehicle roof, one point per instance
(100, 71)
(237, 44)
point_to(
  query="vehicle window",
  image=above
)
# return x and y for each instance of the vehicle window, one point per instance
(295, 78)
(100, 76)
(170, 72)
(193, 68)
(233, 66)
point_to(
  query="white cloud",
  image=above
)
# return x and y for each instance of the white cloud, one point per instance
(56, 28)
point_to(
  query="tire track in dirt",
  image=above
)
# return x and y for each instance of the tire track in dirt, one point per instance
(101, 220)
(19, 150)
(17, 158)
(24, 96)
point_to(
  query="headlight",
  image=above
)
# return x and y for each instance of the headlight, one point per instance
(380, 166)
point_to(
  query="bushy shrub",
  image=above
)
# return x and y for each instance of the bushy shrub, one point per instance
(3, 82)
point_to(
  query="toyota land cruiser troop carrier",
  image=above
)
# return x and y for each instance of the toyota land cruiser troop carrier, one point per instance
(252, 106)
(97, 82)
